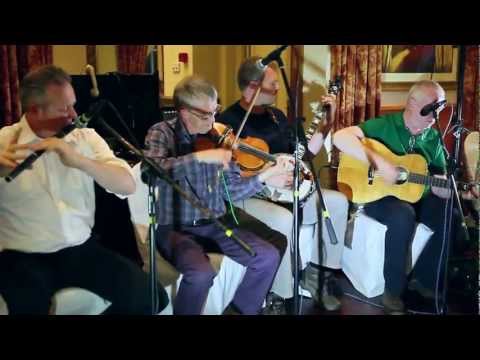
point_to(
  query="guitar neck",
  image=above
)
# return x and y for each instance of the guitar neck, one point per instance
(428, 180)
(435, 181)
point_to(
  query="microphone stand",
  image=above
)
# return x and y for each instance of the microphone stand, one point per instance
(452, 169)
(126, 98)
(149, 179)
(300, 132)
(156, 171)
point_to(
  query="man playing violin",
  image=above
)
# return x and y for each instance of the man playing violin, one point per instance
(210, 176)
(270, 124)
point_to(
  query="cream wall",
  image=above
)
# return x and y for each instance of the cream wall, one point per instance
(208, 63)
(106, 59)
(170, 58)
(72, 58)
(232, 57)
(219, 64)
(316, 74)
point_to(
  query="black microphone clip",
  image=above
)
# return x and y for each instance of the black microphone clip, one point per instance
(273, 56)
(427, 109)
(94, 110)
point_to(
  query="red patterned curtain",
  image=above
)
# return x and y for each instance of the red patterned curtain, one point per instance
(9, 84)
(33, 56)
(15, 62)
(470, 88)
(360, 67)
(131, 58)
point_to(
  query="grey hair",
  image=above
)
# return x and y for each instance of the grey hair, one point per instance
(193, 88)
(34, 85)
(248, 72)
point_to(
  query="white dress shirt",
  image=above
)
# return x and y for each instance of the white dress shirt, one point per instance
(51, 206)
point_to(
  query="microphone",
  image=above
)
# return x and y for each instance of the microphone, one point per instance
(94, 110)
(275, 54)
(80, 122)
(90, 70)
(427, 109)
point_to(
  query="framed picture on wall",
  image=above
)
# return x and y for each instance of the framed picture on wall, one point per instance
(403, 65)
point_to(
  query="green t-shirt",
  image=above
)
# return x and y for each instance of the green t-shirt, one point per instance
(390, 130)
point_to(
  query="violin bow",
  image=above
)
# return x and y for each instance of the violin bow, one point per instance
(252, 103)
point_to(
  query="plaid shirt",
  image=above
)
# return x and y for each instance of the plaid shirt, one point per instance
(170, 145)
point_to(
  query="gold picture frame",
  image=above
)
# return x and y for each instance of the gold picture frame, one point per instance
(434, 62)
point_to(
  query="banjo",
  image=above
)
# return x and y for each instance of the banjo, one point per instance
(307, 184)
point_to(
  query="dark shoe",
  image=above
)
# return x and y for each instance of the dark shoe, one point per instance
(330, 287)
(310, 280)
(415, 285)
(275, 305)
(325, 297)
(393, 305)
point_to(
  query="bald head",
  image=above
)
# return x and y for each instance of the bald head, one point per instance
(422, 93)
(425, 92)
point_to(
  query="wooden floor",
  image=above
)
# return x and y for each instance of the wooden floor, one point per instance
(354, 303)
(463, 289)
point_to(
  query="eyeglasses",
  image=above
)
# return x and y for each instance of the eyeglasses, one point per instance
(204, 115)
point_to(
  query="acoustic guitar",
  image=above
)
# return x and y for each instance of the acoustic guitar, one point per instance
(359, 182)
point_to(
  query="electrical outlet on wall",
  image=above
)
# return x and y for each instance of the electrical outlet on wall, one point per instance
(176, 68)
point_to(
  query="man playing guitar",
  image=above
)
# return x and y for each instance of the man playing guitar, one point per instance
(405, 133)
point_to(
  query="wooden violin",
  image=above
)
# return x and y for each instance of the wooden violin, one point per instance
(250, 153)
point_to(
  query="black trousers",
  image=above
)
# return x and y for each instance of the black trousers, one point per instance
(400, 218)
(29, 280)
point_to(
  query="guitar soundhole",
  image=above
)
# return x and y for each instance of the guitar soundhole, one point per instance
(371, 175)
(402, 176)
